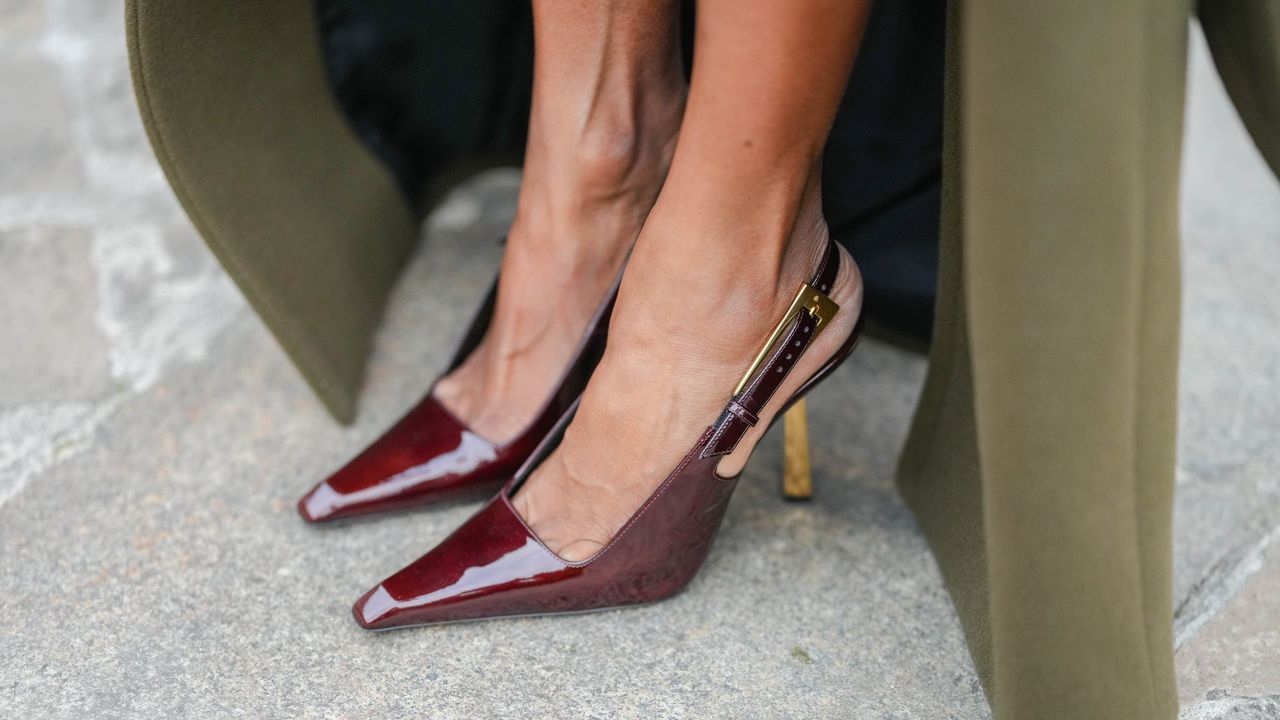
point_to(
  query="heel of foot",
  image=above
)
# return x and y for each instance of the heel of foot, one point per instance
(846, 291)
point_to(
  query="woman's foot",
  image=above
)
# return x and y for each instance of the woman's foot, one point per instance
(688, 322)
(598, 152)
(565, 248)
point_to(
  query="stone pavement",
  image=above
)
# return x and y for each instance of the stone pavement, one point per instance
(153, 439)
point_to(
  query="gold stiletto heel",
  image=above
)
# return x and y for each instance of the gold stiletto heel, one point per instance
(797, 474)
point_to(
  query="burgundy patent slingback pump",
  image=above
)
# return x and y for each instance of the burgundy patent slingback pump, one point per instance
(430, 456)
(494, 565)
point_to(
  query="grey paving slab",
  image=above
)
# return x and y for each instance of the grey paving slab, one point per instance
(187, 584)
(1235, 653)
(36, 155)
(151, 565)
(20, 20)
(50, 338)
(1229, 461)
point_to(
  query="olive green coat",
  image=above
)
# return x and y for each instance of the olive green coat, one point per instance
(1040, 464)
(1041, 461)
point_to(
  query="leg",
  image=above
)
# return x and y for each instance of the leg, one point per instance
(737, 228)
(607, 99)
(1041, 461)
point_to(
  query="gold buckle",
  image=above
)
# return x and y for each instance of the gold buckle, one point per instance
(821, 307)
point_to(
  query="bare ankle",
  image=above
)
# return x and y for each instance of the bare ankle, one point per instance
(587, 190)
(617, 154)
(751, 256)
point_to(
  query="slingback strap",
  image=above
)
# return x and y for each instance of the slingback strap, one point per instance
(808, 315)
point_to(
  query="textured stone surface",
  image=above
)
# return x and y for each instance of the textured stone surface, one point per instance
(1228, 503)
(50, 338)
(20, 19)
(151, 565)
(1236, 649)
(36, 155)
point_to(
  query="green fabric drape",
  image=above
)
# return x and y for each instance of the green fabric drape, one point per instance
(1041, 460)
(1244, 38)
(307, 222)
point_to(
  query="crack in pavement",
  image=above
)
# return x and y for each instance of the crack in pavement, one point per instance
(1215, 588)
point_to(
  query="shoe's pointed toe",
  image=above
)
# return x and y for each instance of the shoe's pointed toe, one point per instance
(431, 456)
(318, 504)
(375, 609)
(491, 566)
(428, 457)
